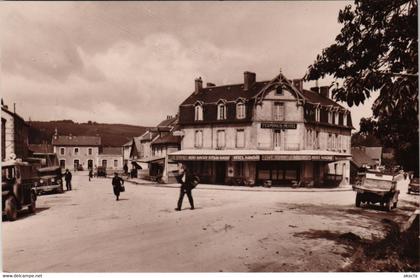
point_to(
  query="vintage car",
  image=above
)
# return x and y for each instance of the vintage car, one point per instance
(50, 179)
(413, 186)
(100, 171)
(18, 188)
(378, 187)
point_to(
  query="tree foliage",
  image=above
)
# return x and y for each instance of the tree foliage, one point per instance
(377, 52)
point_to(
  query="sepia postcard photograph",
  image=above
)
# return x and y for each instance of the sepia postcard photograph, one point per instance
(203, 138)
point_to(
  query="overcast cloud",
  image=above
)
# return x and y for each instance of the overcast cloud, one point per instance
(135, 62)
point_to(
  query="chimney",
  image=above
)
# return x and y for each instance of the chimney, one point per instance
(315, 89)
(198, 85)
(249, 80)
(324, 91)
(210, 84)
(298, 83)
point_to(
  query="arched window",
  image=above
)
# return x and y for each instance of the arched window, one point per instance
(198, 112)
(240, 110)
(221, 111)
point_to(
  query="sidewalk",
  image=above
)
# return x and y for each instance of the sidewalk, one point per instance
(138, 181)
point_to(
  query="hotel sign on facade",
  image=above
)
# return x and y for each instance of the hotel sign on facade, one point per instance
(276, 125)
(297, 157)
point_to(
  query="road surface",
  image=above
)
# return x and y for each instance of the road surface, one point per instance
(86, 230)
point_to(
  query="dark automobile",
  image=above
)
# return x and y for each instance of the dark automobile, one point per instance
(413, 186)
(18, 188)
(100, 171)
(50, 179)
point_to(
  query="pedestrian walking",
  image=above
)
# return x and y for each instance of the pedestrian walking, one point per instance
(188, 182)
(117, 184)
(67, 178)
(90, 174)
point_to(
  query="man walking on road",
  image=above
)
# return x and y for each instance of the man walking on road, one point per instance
(67, 178)
(117, 184)
(188, 183)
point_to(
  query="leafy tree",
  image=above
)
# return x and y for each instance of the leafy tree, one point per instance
(377, 52)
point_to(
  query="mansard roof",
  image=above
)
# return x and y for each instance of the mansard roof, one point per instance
(226, 92)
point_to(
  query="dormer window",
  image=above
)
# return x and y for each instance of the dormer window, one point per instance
(221, 111)
(198, 112)
(240, 110)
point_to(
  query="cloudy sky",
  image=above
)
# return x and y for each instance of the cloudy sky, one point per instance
(134, 62)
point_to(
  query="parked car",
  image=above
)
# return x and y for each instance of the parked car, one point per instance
(100, 171)
(50, 179)
(379, 188)
(18, 188)
(413, 186)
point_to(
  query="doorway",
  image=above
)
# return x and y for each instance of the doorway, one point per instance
(220, 171)
(90, 164)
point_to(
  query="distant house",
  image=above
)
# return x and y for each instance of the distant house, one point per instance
(14, 135)
(360, 162)
(111, 158)
(75, 151)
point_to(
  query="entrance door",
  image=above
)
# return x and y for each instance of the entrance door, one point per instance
(90, 164)
(62, 163)
(76, 164)
(220, 168)
(104, 163)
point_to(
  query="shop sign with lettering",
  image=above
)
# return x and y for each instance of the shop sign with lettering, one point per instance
(200, 157)
(279, 125)
(286, 157)
(245, 157)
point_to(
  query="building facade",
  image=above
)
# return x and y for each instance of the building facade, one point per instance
(265, 132)
(14, 135)
(77, 152)
(111, 158)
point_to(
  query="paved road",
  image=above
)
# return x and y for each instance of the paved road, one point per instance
(86, 230)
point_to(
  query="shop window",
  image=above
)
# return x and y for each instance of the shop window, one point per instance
(290, 174)
(239, 169)
(240, 110)
(240, 138)
(198, 114)
(221, 139)
(221, 111)
(278, 111)
(198, 139)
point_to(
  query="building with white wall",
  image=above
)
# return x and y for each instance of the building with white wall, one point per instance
(267, 131)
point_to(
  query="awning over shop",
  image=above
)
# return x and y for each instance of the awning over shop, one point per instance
(135, 164)
(153, 159)
(257, 155)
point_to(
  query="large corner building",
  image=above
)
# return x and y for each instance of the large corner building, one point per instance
(266, 132)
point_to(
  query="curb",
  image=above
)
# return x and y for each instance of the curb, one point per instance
(242, 189)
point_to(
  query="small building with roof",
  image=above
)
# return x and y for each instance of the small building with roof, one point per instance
(111, 158)
(76, 152)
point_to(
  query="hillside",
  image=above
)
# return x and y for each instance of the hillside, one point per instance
(111, 134)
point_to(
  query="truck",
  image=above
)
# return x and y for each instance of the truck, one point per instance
(50, 179)
(18, 188)
(378, 187)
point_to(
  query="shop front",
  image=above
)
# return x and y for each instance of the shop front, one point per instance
(260, 167)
